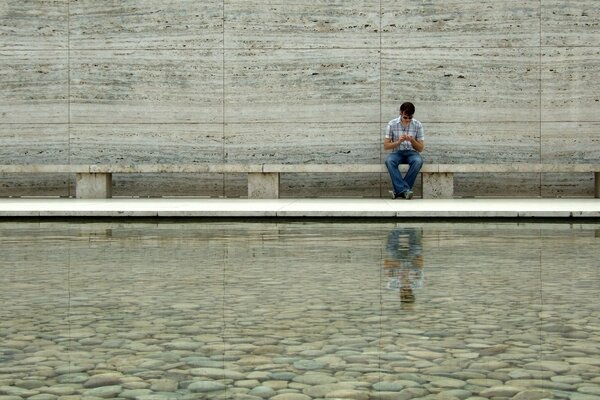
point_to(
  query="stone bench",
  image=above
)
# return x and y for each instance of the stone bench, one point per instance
(95, 181)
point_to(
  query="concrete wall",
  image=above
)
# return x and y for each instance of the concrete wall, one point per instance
(94, 81)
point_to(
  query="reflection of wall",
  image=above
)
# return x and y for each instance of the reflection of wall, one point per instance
(313, 81)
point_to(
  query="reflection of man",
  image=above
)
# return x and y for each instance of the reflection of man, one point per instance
(404, 262)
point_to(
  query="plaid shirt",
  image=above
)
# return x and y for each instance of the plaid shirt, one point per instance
(395, 130)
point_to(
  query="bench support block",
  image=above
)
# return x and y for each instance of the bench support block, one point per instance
(263, 185)
(597, 185)
(438, 185)
(93, 186)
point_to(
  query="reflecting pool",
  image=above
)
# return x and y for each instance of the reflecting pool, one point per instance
(299, 310)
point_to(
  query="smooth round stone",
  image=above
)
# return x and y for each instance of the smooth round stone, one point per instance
(582, 396)
(518, 374)
(247, 383)
(284, 360)
(448, 383)
(585, 360)
(182, 345)
(134, 394)
(322, 390)
(426, 355)
(135, 385)
(43, 396)
(485, 382)
(394, 356)
(164, 385)
(202, 362)
(500, 391)
(16, 391)
(533, 394)
(72, 378)
(217, 373)
(457, 393)
(264, 392)
(568, 379)
(291, 396)
(268, 349)
(283, 376)
(158, 396)
(540, 383)
(308, 364)
(2, 397)
(254, 360)
(489, 365)
(114, 343)
(348, 394)
(104, 392)
(80, 333)
(60, 390)
(315, 379)
(312, 353)
(260, 375)
(595, 390)
(206, 386)
(31, 384)
(388, 386)
(554, 366)
(277, 385)
(102, 380)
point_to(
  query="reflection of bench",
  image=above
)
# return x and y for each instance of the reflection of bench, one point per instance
(95, 181)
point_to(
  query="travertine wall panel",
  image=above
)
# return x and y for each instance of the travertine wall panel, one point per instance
(460, 23)
(301, 24)
(509, 142)
(29, 144)
(34, 24)
(569, 143)
(463, 84)
(148, 24)
(146, 86)
(334, 185)
(146, 143)
(34, 143)
(570, 23)
(322, 85)
(570, 86)
(34, 87)
(303, 143)
(567, 185)
(492, 185)
(162, 185)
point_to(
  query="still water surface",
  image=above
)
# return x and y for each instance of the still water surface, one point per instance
(299, 311)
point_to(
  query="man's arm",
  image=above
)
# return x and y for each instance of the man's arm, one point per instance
(389, 145)
(418, 145)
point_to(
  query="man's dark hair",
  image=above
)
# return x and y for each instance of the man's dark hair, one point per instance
(407, 108)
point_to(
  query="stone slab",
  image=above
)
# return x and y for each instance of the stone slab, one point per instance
(153, 24)
(460, 23)
(301, 24)
(302, 85)
(300, 208)
(34, 87)
(146, 86)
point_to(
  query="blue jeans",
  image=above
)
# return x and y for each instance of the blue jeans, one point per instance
(414, 161)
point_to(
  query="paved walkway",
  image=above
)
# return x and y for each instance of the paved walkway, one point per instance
(294, 208)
